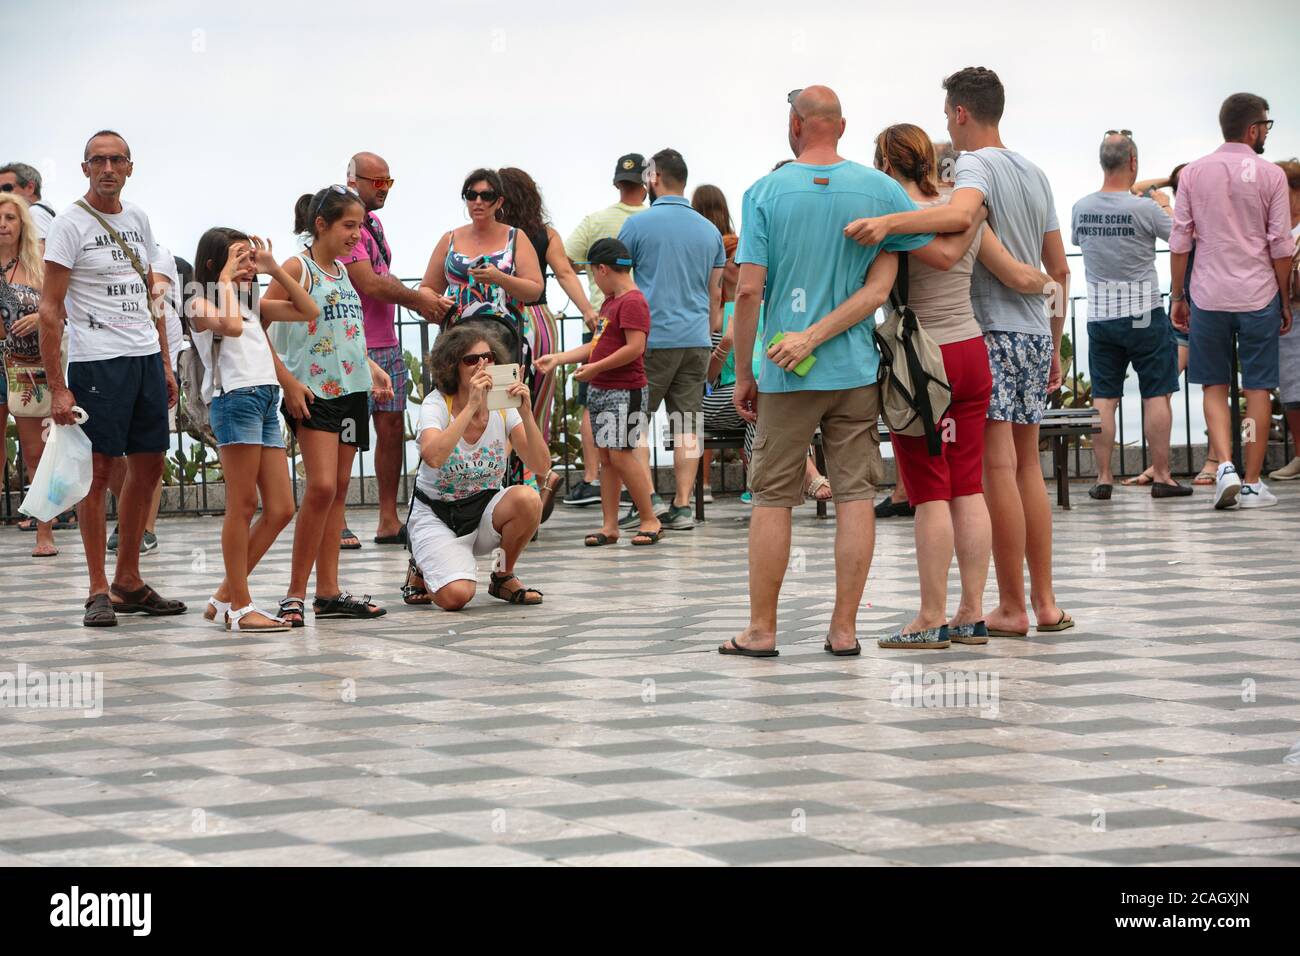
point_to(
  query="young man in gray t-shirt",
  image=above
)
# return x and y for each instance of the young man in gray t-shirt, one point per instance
(1127, 324)
(1022, 332)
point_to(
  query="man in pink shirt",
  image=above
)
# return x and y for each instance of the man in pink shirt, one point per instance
(381, 292)
(1235, 208)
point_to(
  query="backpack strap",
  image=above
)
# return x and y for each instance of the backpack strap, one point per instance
(899, 292)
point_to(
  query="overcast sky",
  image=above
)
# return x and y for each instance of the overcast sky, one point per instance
(234, 109)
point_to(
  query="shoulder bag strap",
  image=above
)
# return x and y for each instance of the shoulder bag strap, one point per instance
(122, 244)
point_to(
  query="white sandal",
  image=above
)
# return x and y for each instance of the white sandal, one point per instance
(233, 619)
(216, 610)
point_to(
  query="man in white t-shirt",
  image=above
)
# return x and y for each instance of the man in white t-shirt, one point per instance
(26, 182)
(98, 278)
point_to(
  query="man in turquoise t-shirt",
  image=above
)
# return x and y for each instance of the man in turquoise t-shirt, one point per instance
(822, 291)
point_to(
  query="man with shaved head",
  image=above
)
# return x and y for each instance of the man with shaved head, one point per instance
(380, 292)
(822, 291)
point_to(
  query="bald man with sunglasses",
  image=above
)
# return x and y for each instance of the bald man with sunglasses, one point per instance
(381, 292)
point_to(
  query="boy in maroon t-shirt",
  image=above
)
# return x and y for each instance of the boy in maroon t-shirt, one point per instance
(617, 390)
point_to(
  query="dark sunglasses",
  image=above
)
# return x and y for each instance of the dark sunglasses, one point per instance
(487, 195)
(791, 97)
(1121, 132)
(6, 187)
(474, 358)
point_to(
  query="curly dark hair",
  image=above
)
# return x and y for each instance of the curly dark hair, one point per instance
(453, 345)
(489, 176)
(523, 208)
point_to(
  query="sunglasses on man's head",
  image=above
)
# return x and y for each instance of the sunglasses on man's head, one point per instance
(487, 195)
(474, 358)
(1121, 132)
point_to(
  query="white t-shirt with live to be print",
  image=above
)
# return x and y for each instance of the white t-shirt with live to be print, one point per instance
(107, 303)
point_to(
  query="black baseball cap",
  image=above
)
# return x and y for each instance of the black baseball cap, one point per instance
(629, 168)
(609, 252)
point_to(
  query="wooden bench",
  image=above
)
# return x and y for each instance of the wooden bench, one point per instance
(1059, 425)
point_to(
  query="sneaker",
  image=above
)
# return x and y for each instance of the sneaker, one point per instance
(1256, 496)
(679, 518)
(583, 493)
(149, 542)
(1288, 472)
(1227, 486)
(625, 497)
(747, 498)
(633, 520)
(112, 541)
(708, 495)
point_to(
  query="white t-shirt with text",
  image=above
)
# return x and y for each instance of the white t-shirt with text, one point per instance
(107, 303)
(470, 468)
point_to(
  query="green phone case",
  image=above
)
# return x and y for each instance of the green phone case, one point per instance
(804, 367)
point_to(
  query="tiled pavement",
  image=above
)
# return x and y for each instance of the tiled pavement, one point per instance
(602, 727)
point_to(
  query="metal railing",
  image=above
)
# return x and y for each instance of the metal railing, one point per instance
(194, 495)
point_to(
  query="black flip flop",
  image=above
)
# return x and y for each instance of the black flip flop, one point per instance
(853, 651)
(345, 605)
(738, 651)
(651, 536)
(399, 538)
(1100, 492)
(344, 536)
(598, 540)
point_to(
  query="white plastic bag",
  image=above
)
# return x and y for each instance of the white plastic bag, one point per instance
(63, 477)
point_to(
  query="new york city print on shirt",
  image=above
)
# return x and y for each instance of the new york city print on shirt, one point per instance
(107, 302)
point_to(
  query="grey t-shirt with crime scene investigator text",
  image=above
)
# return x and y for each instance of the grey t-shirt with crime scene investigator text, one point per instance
(1117, 232)
(1021, 212)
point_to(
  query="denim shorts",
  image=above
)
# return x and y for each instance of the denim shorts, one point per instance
(1146, 342)
(247, 416)
(1257, 333)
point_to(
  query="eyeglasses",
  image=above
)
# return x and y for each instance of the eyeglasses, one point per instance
(487, 195)
(6, 187)
(99, 162)
(384, 183)
(1121, 132)
(474, 358)
(790, 98)
(1267, 124)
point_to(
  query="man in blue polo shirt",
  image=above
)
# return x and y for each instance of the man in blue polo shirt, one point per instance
(822, 292)
(678, 259)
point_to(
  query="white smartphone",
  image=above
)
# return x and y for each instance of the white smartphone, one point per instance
(503, 376)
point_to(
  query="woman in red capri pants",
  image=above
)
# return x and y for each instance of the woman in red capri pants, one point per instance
(947, 489)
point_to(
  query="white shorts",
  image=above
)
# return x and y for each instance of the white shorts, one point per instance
(440, 555)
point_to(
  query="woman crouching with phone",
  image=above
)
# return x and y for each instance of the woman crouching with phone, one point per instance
(461, 510)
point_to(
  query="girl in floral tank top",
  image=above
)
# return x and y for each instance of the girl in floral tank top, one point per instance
(327, 379)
